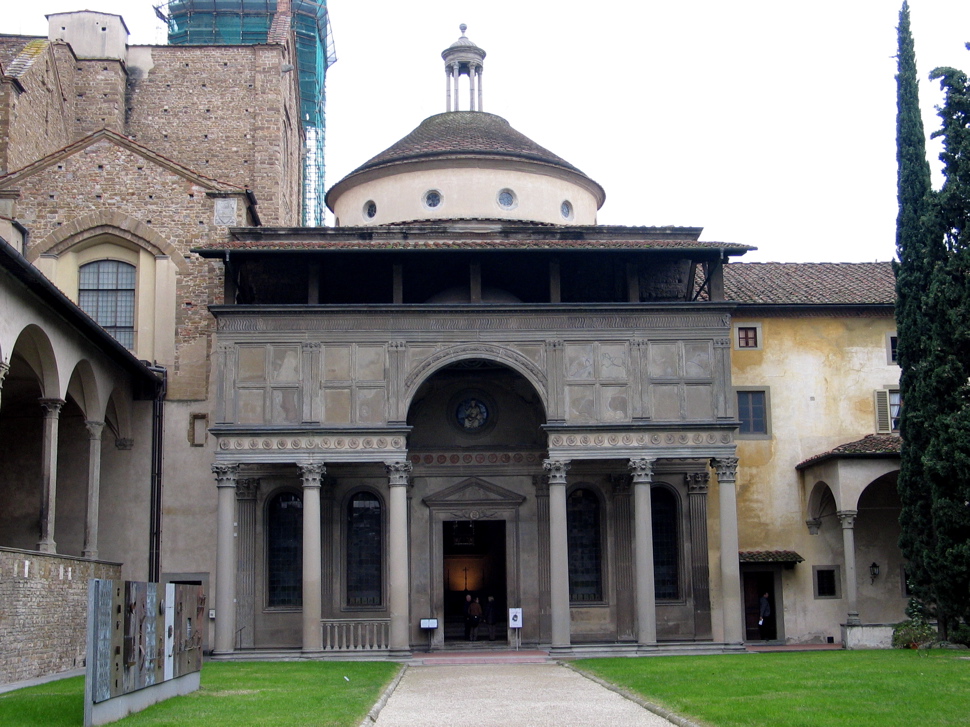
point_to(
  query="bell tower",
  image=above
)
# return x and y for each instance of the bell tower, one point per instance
(463, 58)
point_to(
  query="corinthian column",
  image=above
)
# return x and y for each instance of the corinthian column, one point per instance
(558, 553)
(399, 478)
(226, 475)
(48, 473)
(727, 472)
(312, 541)
(642, 470)
(94, 489)
(847, 518)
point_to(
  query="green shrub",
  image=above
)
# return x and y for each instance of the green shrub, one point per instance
(960, 634)
(913, 634)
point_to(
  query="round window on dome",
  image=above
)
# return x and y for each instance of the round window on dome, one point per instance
(507, 199)
(432, 199)
(370, 209)
(566, 209)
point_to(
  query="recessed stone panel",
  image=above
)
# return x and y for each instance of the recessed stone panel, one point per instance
(700, 402)
(336, 363)
(580, 403)
(371, 406)
(614, 404)
(286, 409)
(249, 406)
(285, 361)
(666, 402)
(664, 360)
(697, 360)
(579, 361)
(336, 404)
(252, 363)
(370, 363)
(614, 361)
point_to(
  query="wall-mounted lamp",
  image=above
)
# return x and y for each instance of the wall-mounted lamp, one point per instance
(873, 572)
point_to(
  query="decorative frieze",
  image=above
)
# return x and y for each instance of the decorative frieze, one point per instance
(497, 457)
(314, 443)
(630, 439)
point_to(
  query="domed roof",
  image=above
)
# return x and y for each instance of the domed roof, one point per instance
(464, 134)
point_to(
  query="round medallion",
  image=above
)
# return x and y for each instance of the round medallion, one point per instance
(471, 414)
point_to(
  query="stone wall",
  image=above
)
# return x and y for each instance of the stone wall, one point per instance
(43, 611)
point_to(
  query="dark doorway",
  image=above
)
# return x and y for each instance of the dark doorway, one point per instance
(474, 565)
(756, 585)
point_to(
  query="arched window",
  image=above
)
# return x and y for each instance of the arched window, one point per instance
(666, 549)
(284, 556)
(364, 550)
(584, 547)
(106, 292)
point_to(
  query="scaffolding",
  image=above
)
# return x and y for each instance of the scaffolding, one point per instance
(248, 22)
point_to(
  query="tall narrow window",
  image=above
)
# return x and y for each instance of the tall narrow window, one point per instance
(106, 292)
(753, 412)
(584, 547)
(666, 550)
(364, 548)
(284, 556)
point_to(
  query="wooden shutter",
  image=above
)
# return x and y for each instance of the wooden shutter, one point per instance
(884, 423)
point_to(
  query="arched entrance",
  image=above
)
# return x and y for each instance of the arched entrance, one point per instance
(476, 446)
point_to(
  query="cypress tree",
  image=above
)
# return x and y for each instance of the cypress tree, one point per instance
(917, 255)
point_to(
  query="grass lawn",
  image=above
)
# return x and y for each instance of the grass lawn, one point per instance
(885, 688)
(273, 694)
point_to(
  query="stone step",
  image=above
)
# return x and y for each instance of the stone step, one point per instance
(452, 658)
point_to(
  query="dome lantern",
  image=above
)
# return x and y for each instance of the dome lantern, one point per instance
(463, 58)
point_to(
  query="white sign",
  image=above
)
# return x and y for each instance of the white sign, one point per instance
(429, 623)
(515, 618)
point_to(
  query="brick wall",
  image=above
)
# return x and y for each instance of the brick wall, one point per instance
(43, 612)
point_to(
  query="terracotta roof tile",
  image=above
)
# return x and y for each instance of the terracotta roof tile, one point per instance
(810, 283)
(769, 556)
(10, 47)
(872, 445)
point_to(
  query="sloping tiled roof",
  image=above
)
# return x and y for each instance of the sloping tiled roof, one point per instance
(20, 61)
(769, 556)
(873, 445)
(810, 283)
(10, 47)
(464, 133)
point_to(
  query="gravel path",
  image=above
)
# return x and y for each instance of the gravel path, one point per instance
(508, 695)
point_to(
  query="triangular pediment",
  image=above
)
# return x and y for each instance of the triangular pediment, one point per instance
(473, 491)
(12, 179)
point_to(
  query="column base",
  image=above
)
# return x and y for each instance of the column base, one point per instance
(561, 650)
(89, 554)
(397, 654)
(853, 619)
(48, 546)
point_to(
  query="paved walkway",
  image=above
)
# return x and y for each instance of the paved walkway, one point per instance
(508, 695)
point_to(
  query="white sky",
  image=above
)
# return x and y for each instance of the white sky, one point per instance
(768, 123)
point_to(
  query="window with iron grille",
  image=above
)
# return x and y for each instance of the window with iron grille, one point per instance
(284, 556)
(106, 292)
(364, 549)
(666, 549)
(584, 547)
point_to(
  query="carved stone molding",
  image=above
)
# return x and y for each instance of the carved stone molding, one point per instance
(397, 345)
(247, 488)
(497, 457)
(553, 344)
(226, 474)
(398, 473)
(94, 429)
(847, 518)
(813, 525)
(621, 439)
(641, 470)
(312, 345)
(312, 472)
(697, 482)
(304, 443)
(124, 443)
(488, 351)
(51, 407)
(556, 469)
(726, 468)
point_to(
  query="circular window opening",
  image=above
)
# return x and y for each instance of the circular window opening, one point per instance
(566, 208)
(370, 209)
(507, 199)
(432, 199)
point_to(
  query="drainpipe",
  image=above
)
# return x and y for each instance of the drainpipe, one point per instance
(155, 512)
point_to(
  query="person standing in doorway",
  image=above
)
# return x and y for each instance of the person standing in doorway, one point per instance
(764, 611)
(474, 618)
(468, 618)
(489, 617)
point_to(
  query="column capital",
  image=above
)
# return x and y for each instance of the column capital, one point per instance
(554, 343)
(399, 473)
(541, 483)
(847, 518)
(4, 368)
(312, 345)
(124, 443)
(312, 473)
(52, 407)
(697, 482)
(556, 469)
(813, 524)
(397, 345)
(726, 468)
(94, 429)
(226, 473)
(247, 488)
(642, 470)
